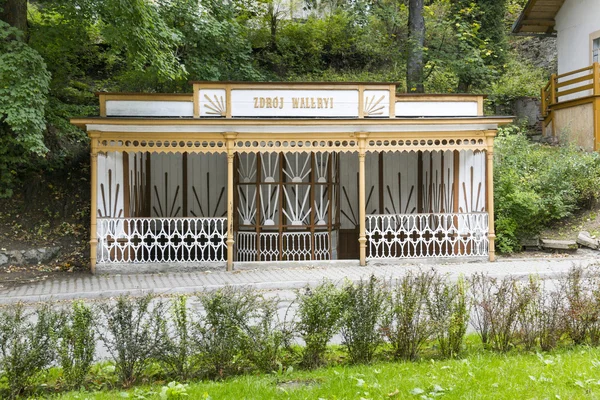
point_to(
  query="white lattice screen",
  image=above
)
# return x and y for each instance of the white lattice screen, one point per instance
(427, 235)
(155, 240)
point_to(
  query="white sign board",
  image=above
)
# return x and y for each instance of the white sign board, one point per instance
(436, 109)
(294, 103)
(281, 103)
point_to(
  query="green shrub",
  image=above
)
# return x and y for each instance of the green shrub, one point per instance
(179, 351)
(581, 308)
(318, 314)
(497, 303)
(27, 343)
(449, 312)
(266, 336)
(363, 306)
(541, 316)
(407, 324)
(131, 332)
(222, 329)
(77, 344)
(537, 185)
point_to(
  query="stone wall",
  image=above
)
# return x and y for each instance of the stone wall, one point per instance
(27, 257)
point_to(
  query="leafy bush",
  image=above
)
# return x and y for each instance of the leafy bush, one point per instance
(537, 185)
(179, 351)
(77, 344)
(520, 79)
(27, 343)
(130, 330)
(363, 304)
(581, 308)
(221, 332)
(449, 311)
(266, 336)
(541, 316)
(319, 312)
(497, 303)
(407, 324)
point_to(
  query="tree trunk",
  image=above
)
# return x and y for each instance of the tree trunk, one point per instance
(416, 41)
(273, 14)
(14, 12)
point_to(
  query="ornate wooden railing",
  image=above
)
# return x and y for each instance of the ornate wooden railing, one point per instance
(294, 246)
(161, 240)
(578, 83)
(427, 235)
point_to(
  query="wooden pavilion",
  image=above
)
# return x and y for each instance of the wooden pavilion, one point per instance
(276, 172)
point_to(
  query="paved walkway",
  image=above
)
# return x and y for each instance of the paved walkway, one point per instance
(105, 286)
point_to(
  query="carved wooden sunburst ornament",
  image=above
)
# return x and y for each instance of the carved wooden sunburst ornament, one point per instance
(372, 105)
(216, 105)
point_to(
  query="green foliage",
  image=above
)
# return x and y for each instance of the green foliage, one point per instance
(537, 185)
(519, 80)
(407, 324)
(319, 312)
(497, 305)
(266, 337)
(130, 330)
(27, 341)
(222, 330)
(449, 312)
(24, 84)
(480, 40)
(173, 391)
(77, 344)
(178, 354)
(363, 304)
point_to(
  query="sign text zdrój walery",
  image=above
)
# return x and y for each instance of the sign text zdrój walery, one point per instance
(297, 102)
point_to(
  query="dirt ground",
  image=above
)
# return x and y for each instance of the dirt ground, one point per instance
(51, 210)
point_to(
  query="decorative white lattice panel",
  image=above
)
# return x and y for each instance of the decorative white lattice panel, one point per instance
(427, 235)
(296, 246)
(322, 246)
(160, 240)
(269, 246)
(246, 246)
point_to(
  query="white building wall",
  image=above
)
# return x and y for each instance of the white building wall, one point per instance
(575, 21)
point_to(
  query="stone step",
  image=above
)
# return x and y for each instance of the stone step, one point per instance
(551, 244)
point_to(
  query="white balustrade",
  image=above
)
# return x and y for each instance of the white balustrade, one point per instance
(427, 235)
(297, 246)
(161, 240)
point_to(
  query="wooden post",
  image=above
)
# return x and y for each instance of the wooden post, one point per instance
(543, 103)
(93, 199)
(362, 237)
(230, 136)
(490, 192)
(552, 89)
(596, 69)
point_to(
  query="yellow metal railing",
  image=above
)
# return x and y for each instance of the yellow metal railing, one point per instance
(578, 83)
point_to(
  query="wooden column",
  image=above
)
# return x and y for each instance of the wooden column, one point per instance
(362, 237)
(596, 72)
(490, 191)
(553, 80)
(230, 136)
(93, 199)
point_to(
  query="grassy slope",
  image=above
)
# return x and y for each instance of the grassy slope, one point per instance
(565, 374)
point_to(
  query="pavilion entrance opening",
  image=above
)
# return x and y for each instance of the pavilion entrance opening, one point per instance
(286, 206)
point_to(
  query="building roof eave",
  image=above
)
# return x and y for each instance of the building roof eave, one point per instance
(537, 18)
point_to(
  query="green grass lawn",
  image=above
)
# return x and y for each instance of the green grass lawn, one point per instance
(564, 374)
